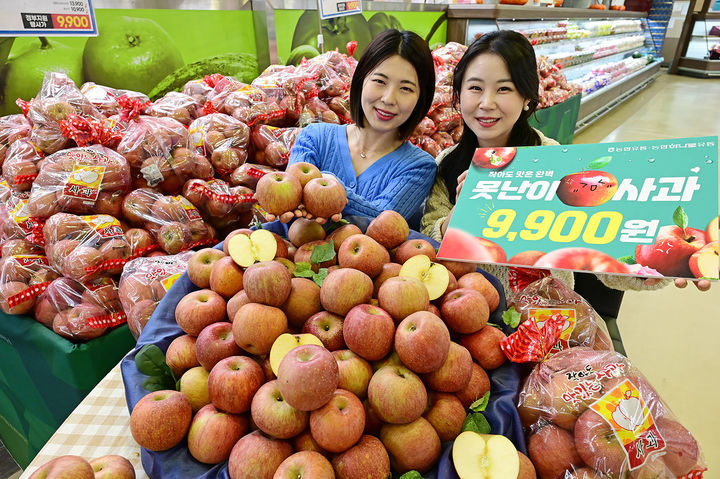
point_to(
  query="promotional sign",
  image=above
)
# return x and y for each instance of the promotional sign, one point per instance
(646, 208)
(335, 8)
(48, 17)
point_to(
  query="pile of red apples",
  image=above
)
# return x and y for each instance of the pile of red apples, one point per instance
(283, 377)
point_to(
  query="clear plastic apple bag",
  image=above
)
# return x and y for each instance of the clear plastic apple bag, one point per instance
(80, 311)
(22, 279)
(20, 167)
(175, 223)
(85, 248)
(223, 140)
(83, 180)
(144, 283)
(12, 128)
(16, 222)
(219, 203)
(591, 413)
(104, 98)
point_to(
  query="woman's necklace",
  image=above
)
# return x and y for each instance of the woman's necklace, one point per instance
(360, 142)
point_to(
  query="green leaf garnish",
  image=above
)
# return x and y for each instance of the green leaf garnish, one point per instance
(480, 405)
(320, 276)
(680, 218)
(322, 253)
(150, 360)
(411, 475)
(512, 317)
(476, 422)
(629, 259)
(303, 269)
(335, 225)
(599, 162)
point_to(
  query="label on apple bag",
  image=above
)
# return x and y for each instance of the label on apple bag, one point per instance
(191, 212)
(625, 410)
(84, 182)
(98, 283)
(169, 281)
(152, 174)
(105, 225)
(21, 217)
(541, 315)
(643, 208)
(27, 260)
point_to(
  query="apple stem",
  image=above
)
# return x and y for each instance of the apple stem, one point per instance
(44, 43)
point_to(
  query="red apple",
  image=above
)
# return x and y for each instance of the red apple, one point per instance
(345, 288)
(587, 188)
(494, 158)
(305, 464)
(233, 382)
(477, 387)
(446, 414)
(226, 277)
(339, 236)
(256, 456)
(681, 453)
(354, 372)
(256, 327)
(364, 254)
(402, 296)
(302, 303)
(389, 229)
(160, 420)
(413, 446)
(198, 309)
(304, 253)
(527, 469)
(368, 331)
(328, 328)
(422, 342)
(339, 424)
(553, 452)
(596, 442)
(70, 467)
(397, 395)
(304, 172)
(324, 197)
(214, 343)
(584, 259)
(481, 284)
(455, 372)
(112, 467)
(366, 459)
(235, 303)
(279, 192)
(465, 310)
(268, 282)
(213, 434)
(458, 268)
(307, 377)
(389, 270)
(526, 258)
(414, 247)
(303, 230)
(180, 354)
(305, 442)
(484, 347)
(273, 415)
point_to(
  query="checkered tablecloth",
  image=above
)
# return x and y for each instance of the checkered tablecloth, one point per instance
(100, 425)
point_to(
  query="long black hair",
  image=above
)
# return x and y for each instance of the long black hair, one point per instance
(414, 49)
(519, 57)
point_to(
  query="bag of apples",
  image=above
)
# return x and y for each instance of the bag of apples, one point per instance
(58, 101)
(85, 248)
(22, 279)
(222, 139)
(249, 174)
(592, 413)
(544, 304)
(16, 222)
(176, 105)
(83, 180)
(21, 164)
(104, 98)
(157, 152)
(272, 145)
(230, 96)
(221, 204)
(12, 128)
(80, 311)
(144, 283)
(175, 223)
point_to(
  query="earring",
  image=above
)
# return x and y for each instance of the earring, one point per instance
(526, 107)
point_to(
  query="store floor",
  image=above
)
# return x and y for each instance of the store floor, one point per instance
(672, 334)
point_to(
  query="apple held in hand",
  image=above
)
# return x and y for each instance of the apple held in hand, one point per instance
(671, 252)
(587, 188)
(65, 467)
(307, 377)
(304, 172)
(160, 420)
(324, 197)
(485, 456)
(279, 192)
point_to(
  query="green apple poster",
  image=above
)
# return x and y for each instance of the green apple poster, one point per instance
(643, 208)
(152, 51)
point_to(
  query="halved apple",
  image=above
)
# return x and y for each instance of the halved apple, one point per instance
(287, 342)
(704, 263)
(485, 456)
(247, 250)
(434, 276)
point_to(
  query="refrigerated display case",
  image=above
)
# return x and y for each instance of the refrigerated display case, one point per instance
(611, 54)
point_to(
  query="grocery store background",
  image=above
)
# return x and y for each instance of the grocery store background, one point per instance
(628, 94)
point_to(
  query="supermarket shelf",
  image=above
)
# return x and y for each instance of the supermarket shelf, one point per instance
(595, 105)
(606, 59)
(699, 67)
(574, 41)
(520, 12)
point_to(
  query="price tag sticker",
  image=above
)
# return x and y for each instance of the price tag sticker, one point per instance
(334, 8)
(48, 18)
(644, 208)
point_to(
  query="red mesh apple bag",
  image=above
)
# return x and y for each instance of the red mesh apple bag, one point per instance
(85, 248)
(551, 317)
(144, 282)
(157, 151)
(59, 100)
(222, 139)
(12, 128)
(83, 180)
(80, 311)
(175, 223)
(22, 279)
(591, 413)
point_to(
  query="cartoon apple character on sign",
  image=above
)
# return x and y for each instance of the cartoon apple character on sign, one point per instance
(588, 188)
(494, 158)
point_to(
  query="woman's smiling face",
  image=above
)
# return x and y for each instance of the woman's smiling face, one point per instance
(490, 103)
(389, 95)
